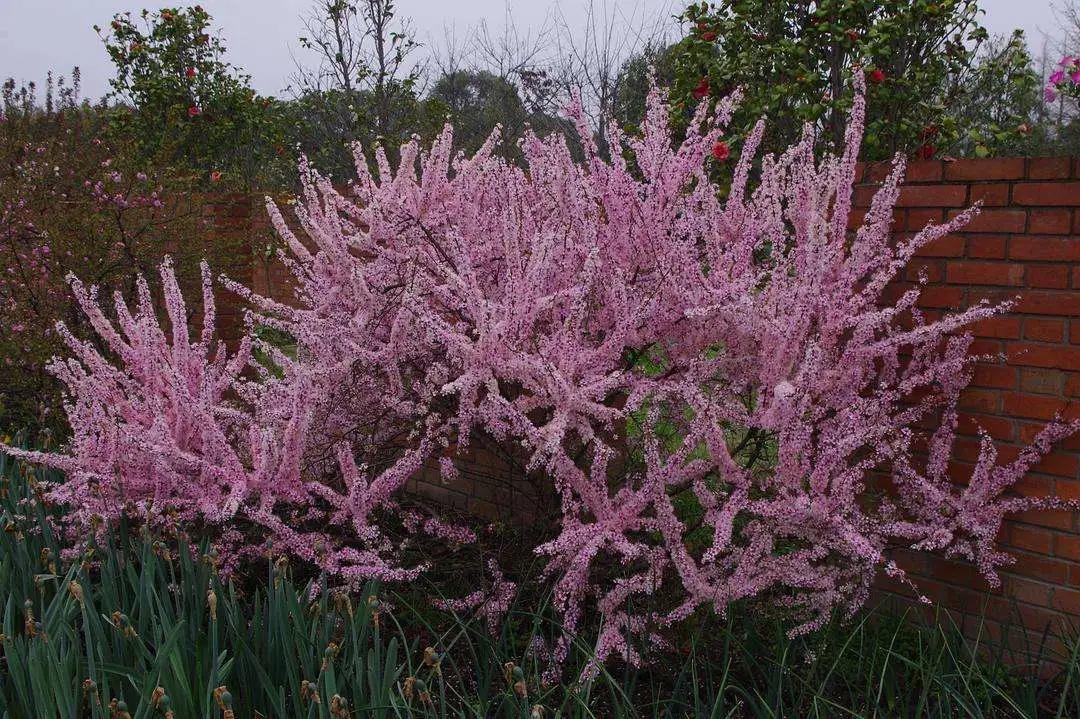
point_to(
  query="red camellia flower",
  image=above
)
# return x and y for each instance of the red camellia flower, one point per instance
(721, 151)
(927, 152)
(215, 176)
(701, 90)
(193, 111)
(708, 36)
(877, 76)
(190, 72)
(852, 35)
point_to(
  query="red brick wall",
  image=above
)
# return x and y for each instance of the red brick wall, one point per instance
(1026, 242)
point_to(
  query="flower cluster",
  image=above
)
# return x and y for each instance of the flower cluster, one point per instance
(727, 403)
(1064, 80)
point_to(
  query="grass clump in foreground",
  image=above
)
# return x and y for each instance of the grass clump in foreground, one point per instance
(148, 629)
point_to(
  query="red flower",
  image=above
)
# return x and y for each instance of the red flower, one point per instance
(852, 35)
(721, 151)
(193, 111)
(702, 89)
(190, 72)
(877, 76)
(927, 151)
(215, 176)
(708, 36)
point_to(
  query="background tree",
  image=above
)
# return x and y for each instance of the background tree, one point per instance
(1000, 108)
(795, 59)
(364, 85)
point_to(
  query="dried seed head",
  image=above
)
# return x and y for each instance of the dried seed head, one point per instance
(76, 591)
(309, 692)
(156, 695)
(432, 660)
(329, 654)
(537, 712)
(339, 708)
(211, 602)
(408, 687)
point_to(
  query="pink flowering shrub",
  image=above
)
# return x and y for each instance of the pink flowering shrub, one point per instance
(725, 403)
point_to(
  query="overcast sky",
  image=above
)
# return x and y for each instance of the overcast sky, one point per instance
(39, 35)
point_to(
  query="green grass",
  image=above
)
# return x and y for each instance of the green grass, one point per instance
(138, 616)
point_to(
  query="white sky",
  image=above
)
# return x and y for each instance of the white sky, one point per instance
(39, 35)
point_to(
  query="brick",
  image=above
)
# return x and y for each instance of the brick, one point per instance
(1033, 539)
(1006, 168)
(1033, 485)
(980, 400)
(1050, 222)
(1044, 330)
(1041, 568)
(1048, 276)
(1042, 381)
(989, 247)
(1002, 327)
(995, 220)
(1049, 168)
(986, 347)
(924, 171)
(1025, 590)
(919, 217)
(1041, 194)
(990, 195)
(1046, 248)
(1048, 302)
(937, 296)
(1066, 600)
(947, 246)
(933, 196)
(1072, 386)
(1059, 464)
(1027, 354)
(994, 376)
(1034, 406)
(984, 273)
(1067, 545)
